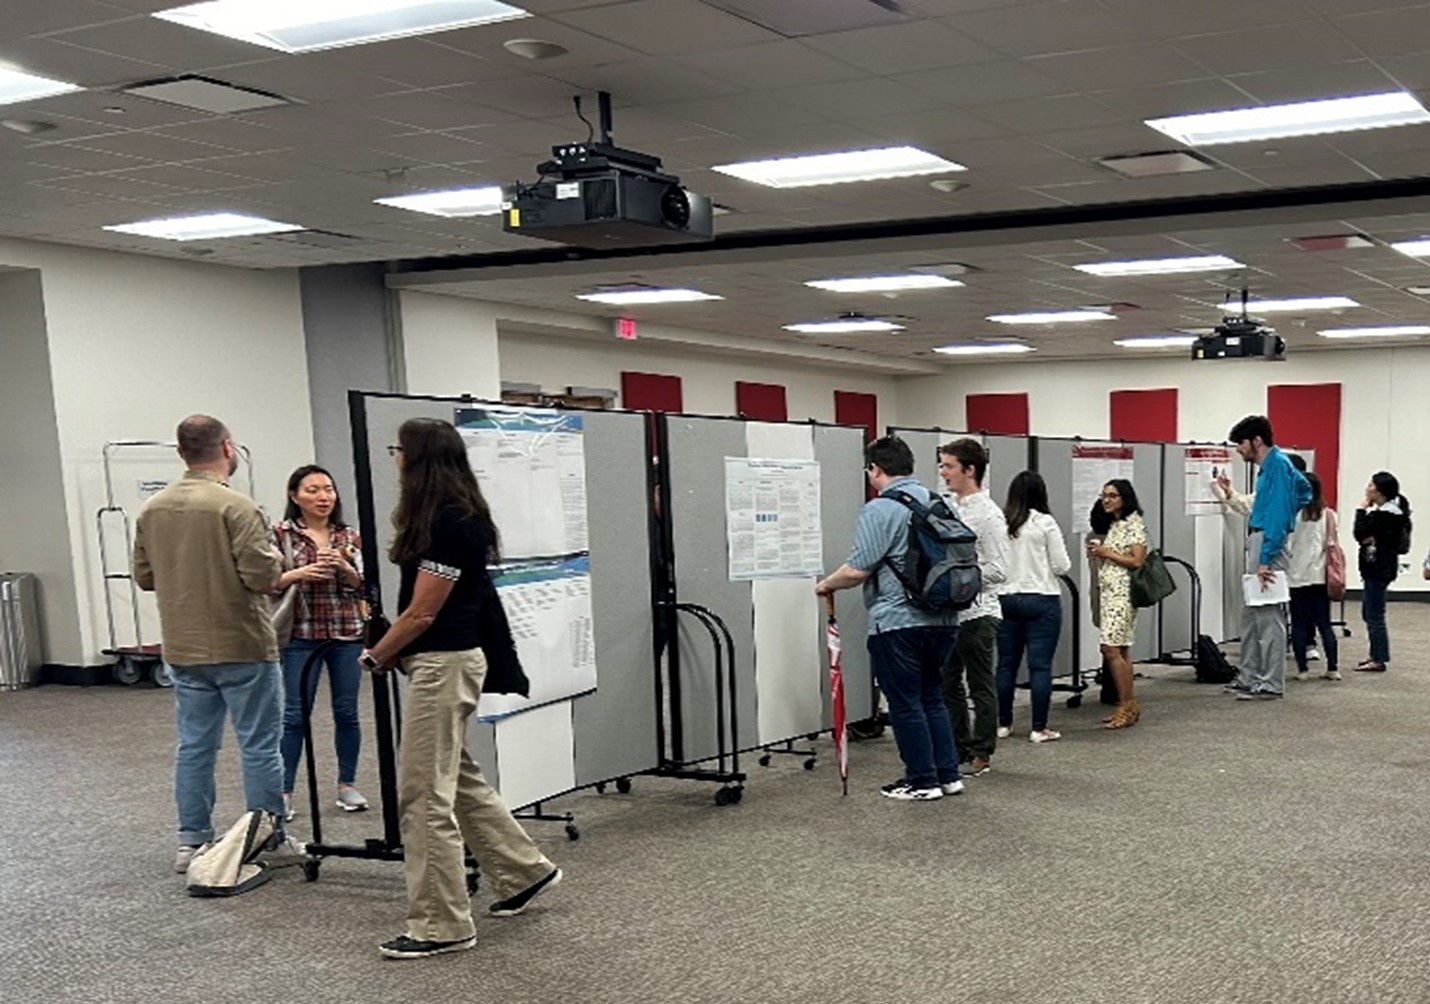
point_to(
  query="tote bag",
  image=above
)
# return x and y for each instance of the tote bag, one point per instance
(285, 604)
(1152, 583)
(1335, 560)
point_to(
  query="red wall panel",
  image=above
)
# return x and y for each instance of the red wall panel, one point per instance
(1143, 416)
(854, 408)
(764, 402)
(1309, 415)
(1000, 414)
(651, 392)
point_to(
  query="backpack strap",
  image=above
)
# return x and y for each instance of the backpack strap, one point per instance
(916, 508)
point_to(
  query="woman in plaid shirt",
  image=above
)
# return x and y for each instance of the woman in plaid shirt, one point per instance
(327, 565)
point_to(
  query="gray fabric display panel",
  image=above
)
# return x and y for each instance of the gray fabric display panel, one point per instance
(614, 729)
(840, 452)
(1007, 458)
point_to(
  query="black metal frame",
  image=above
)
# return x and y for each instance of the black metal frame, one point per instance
(1190, 659)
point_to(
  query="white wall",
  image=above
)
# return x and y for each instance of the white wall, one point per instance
(450, 345)
(1385, 408)
(707, 380)
(136, 343)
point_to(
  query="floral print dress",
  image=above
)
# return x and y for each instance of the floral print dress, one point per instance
(1119, 616)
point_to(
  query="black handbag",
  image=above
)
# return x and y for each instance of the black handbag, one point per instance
(1152, 583)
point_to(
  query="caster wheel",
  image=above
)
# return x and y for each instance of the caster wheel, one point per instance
(725, 796)
(573, 832)
(127, 673)
(809, 764)
(765, 760)
(737, 794)
(812, 736)
(623, 785)
(310, 870)
(159, 676)
(1075, 701)
(600, 787)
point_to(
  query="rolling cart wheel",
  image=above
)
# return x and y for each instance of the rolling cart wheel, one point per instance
(737, 794)
(127, 672)
(573, 832)
(600, 787)
(809, 764)
(623, 785)
(159, 676)
(727, 796)
(765, 760)
(1075, 701)
(310, 869)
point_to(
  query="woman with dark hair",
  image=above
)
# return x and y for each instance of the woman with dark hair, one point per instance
(451, 630)
(1123, 549)
(1383, 529)
(1032, 603)
(322, 555)
(1306, 575)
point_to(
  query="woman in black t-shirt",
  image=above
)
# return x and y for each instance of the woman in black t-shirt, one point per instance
(450, 620)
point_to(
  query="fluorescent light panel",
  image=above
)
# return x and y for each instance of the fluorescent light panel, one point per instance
(1302, 118)
(16, 85)
(623, 297)
(1052, 317)
(845, 326)
(310, 25)
(1156, 341)
(1386, 331)
(1416, 249)
(207, 226)
(450, 202)
(884, 283)
(984, 349)
(1300, 303)
(838, 168)
(1160, 266)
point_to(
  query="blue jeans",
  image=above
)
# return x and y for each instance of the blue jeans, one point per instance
(909, 667)
(1033, 622)
(250, 692)
(1372, 611)
(344, 682)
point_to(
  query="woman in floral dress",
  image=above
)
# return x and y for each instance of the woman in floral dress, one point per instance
(1123, 549)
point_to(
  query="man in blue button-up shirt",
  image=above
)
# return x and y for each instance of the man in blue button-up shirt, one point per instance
(907, 646)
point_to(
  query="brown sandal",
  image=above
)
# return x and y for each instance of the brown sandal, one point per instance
(1123, 717)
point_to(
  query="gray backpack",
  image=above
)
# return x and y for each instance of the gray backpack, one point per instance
(939, 571)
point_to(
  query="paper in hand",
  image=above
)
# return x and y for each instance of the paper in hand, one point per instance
(1278, 590)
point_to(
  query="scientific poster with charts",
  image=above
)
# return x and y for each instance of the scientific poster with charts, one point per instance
(772, 519)
(531, 465)
(1093, 467)
(1202, 466)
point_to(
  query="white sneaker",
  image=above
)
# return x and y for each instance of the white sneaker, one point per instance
(905, 793)
(185, 855)
(1313, 654)
(1045, 736)
(288, 812)
(351, 800)
(1004, 731)
(1331, 674)
(952, 788)
(283, 852)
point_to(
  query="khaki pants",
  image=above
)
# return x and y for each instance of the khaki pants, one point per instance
(444, 800)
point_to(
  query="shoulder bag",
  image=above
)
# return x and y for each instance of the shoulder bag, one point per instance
(1151, 583)
(285, 604)
(1335, 560)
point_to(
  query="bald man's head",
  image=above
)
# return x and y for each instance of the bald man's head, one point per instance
(201, 439)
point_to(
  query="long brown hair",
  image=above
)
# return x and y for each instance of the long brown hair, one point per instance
(1313, 509)
(435, 476)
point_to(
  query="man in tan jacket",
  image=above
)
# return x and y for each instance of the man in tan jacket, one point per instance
(207, 554)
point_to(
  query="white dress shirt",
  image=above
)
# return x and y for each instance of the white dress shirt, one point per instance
(1037, 556)
(982, 515)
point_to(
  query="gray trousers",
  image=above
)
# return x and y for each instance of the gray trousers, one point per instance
(1263, 632)
(971, 673)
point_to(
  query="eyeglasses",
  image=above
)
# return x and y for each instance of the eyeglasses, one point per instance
(1111, 495)
(393, 451)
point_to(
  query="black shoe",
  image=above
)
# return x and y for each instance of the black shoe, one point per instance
(513, 906)
(403, 947)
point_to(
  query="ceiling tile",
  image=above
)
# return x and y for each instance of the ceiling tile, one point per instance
(50, 58)
(737, 113)
(153, 41)
(585, 48)
(1115, 140)
(72, 158)
(1309, 83)
(1152, 101)
(1168, 20)
(185, 176)
(771, 64)
(1045, 114)
(523, 97)
(1297, 176)
(110, 186)
(121, 112)
(643, 81)
(231, 132)
(905, 47)
(414, 62)
(302, 78)
(429, 148)
(856, 98)
(969, 86)
(1049, 26)
(663, 27)
(155, 146)
(1387, 33)
(930, 128)
(38, 17)
(425, 110)
(1118, 66)
(1307, 43)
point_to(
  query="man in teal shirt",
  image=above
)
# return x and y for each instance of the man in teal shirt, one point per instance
(1281, 493)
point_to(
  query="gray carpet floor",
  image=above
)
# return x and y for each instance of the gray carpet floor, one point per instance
(1218, 852)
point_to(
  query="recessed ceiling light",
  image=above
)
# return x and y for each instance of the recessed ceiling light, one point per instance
(206, 226)
(485, 201)
(1332, 242)
(1385, 331)
(837, 168)
(1416, 248)
(329, 24)
(1160, 266)
(1302, 118)
(984, 349)
(29, 127)
(647, 294)
(16, 85)
(1418, 290)
(1300, 303)
(844, 325)
(1052, 317)
(1156, 342)
(884, 283)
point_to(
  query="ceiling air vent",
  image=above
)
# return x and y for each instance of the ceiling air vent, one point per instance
(320, 239)
(205, 95)
(1151, 165)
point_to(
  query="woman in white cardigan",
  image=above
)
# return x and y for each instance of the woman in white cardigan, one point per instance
(1310, 601)
(1032, 603)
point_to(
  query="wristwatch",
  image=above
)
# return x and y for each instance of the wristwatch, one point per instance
(366, 661)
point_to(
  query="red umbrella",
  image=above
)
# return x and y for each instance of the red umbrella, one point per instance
(836, 693)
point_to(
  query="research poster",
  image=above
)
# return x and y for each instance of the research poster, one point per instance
(1202, 466)
(1093, 467)
(772, 519)
(531, 465)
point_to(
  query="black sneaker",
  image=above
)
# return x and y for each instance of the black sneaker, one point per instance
(513, 906)
(403, 947)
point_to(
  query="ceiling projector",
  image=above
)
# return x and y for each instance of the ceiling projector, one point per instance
(1240, 338)
(598, 195)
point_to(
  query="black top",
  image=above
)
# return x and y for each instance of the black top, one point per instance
(1386, 527)
(458, 552)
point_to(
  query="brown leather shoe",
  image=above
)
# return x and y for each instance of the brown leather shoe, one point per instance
(978, 767)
